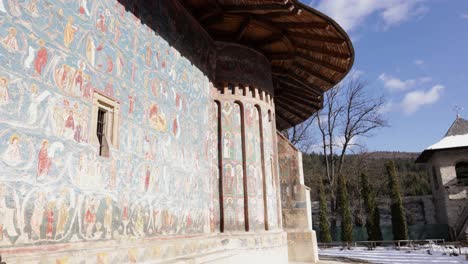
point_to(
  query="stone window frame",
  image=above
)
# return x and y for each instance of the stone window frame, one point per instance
(111, 128)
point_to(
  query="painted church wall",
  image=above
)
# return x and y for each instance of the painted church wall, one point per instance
(254, 167)
(54, 186)
(233, 181)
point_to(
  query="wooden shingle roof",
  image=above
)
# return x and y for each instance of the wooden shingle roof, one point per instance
(309, 52)
(459, 127)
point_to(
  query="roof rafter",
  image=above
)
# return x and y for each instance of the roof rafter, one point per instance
(322, 63)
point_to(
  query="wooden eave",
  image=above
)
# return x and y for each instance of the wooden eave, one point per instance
(308, 51)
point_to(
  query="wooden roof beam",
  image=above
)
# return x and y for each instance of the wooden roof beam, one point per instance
(282, 122)
(302, 102)
(292, 110)
(303, 25)
(316, 74)
(315, 37)
(292, 11)
(258, 7)
(283, 72)
(269, 40)
(310, 59)
(243, 28)
(322, 51)
(301, 96)
(297, 102)
(280, 56)
(292, 83)
(206, 12)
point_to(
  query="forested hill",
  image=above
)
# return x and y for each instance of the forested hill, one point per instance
(414, 178)
(393, 155)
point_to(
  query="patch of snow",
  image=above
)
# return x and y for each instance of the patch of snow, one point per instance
(420, 255)
(451, 142)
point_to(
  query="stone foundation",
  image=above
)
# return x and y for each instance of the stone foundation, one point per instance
(225, 248)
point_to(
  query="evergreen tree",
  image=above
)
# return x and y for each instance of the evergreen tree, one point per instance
(373, 215)
(345, 211)
(399, 226)
(325, 236)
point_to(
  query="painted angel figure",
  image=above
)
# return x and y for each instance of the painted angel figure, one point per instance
(4, 96)
(12, 155)
(35, 102)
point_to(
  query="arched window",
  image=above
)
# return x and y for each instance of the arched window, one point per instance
(462, 173)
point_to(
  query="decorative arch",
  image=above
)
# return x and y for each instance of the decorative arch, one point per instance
(262, 159)
(219, 186)
(244, 164)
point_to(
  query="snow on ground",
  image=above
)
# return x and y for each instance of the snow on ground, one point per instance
(394, 256)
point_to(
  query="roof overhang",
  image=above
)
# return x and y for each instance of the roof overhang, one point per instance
(308, 52)
(427, 154)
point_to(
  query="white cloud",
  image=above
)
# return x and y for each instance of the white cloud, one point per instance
(416, 99)
(350, 14)
(418, 62)
(464, 16)
(386, 108)
(395, 84)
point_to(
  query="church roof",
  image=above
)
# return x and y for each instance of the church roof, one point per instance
(459, 127)
(308, 52)
(456, 137)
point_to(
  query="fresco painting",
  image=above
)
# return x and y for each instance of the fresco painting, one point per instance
(54, 186)
(215, 177)
(271, 184)
(291, 194)
(233, 174)
(254, 168)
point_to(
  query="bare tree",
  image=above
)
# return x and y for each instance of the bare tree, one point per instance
(301, 135)
(349, 112)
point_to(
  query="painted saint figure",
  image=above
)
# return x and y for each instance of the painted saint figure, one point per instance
(10, 42)
(101, 22)
(37, 216)
(62, 217)
(131, 101)
(69, 32)
(44, 162)
(50, 219)
(4, 97)
(147, 178)
(41, 58)
(108, 217)
(69, 125)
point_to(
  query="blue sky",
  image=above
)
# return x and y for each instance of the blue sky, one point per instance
(415, 53)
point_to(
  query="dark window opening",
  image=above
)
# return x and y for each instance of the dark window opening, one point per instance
(100, 130)
(462, 173)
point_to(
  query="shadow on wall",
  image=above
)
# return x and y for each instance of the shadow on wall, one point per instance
(170, 20)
